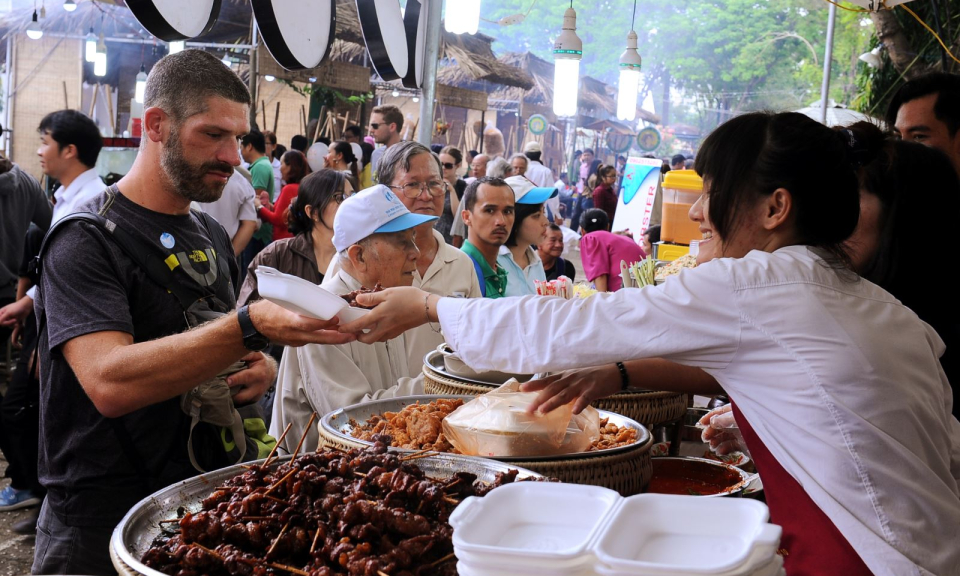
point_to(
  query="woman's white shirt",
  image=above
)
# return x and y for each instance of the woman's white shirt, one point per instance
(839, 380)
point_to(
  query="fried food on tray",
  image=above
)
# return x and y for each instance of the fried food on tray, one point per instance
(416, 427)
(331, 513)
(419, 427)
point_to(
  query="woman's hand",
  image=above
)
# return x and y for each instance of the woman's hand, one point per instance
(582, 387)
(722, 432)
(395, 310)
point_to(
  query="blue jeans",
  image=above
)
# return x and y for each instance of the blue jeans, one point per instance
(62, 549)
(581, 205)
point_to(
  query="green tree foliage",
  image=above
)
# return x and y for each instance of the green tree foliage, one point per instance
(723, 56)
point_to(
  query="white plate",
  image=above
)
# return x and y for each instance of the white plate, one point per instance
(298, 295)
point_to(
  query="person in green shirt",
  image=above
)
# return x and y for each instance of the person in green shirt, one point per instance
(488, 211)
(253, 147)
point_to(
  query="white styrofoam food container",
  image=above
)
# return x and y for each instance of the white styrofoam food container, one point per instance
(304, 297)
(547, 525)
(534, 529)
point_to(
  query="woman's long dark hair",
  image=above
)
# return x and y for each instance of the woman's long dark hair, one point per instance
(919, 193)
(299, 168)
(316, 190)
(751, 156)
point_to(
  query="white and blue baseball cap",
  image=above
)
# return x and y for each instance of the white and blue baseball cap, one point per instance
(375, 210)
(527, 192)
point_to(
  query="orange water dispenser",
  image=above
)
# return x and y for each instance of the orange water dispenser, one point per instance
(681, 188)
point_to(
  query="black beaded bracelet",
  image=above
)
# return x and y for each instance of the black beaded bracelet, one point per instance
(624, 378)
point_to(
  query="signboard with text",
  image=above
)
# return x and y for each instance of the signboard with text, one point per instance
(641, 180)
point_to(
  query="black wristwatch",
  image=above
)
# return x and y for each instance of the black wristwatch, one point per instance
(252, 339)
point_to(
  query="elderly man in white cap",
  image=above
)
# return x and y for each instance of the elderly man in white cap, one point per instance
(374, 234)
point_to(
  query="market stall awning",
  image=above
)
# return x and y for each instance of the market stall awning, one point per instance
(837, 114)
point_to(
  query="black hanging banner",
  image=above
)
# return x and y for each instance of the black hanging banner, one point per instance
(298, 34)
(394, 55)
(172, 20)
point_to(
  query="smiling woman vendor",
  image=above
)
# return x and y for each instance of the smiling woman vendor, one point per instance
(836, 384)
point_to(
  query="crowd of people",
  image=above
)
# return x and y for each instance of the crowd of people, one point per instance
(135, 304)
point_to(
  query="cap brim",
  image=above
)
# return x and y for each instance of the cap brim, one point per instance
(404, 222)
(538, 195)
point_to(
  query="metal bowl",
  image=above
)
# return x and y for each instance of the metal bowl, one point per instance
(437, 362)
(707, 467)
(141, 526)
(337, 424)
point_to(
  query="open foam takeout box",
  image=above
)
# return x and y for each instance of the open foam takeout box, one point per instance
(303, 297)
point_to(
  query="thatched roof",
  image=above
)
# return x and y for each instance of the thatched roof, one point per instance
(595, 96)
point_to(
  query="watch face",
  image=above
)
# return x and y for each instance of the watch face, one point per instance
(256, 342)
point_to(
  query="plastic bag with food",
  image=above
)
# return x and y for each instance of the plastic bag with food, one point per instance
(497, 424)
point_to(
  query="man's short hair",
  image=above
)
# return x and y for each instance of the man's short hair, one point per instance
(554, 228)
(391, 115)
(589, 151)
(678, 159)
(299, 142)
(398, 157)
(68, 127)
(254, 138)
(180, 84)
(947, 107)
(470, 194)
(270, 137)
(353, 130)
(533, 156)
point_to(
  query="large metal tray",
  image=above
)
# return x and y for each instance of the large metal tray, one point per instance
(140, 527)
(337, 423)
(434, 361)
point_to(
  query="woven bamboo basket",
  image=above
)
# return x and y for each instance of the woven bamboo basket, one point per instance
(647, 407)
(120, 565)
(627, 472)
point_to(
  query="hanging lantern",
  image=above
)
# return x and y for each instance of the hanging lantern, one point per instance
(34, 31)
(464, 19)
(100, 64)
(630, 62)
(141, 84)
(567, 52)
(90, 46)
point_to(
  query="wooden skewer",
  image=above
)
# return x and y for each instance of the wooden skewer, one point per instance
(205, 549)
(170, 521)
(382, 573)
(279, 441)
(278, 500)
(450, 500)
(304, 436)
(442, 560)
(277, 539)
(245, 518)
(418, 456)
(361, 474)
(279, 482)
(314, 544)
(290, 569)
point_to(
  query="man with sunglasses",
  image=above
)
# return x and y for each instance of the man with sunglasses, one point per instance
(413, 172)
(385, 125)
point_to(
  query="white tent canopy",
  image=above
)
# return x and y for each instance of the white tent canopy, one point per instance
(837, 114)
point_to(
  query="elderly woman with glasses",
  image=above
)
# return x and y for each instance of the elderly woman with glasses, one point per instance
(308, 253)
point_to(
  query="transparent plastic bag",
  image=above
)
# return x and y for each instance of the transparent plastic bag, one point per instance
(497, 424)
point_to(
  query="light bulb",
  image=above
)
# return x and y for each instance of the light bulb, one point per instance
(396, 94)
(465, 19)
(69, 5)
(416, 99)
(177, 46)
(34, 31)
(566, 85)
(312, 79)
(269, 77)
(567, 52)
(100, 64)
(90, 51)
(141, 84)
(629, 80)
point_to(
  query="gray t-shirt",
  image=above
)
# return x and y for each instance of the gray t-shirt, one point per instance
(90, 285)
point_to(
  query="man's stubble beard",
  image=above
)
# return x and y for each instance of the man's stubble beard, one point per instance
(185, 179)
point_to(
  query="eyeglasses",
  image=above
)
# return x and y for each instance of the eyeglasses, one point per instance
(415, 189)
(374, 125)
(449, 165)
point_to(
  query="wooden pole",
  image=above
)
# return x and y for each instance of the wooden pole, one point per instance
(316, 131)
(66, 101)
(276, 117)
(303, 119)
(263, 110)
(108, 94)
(93, 101)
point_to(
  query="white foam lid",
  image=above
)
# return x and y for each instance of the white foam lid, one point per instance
(532, 520)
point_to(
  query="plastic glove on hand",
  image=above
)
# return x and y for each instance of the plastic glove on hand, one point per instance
(721, 432)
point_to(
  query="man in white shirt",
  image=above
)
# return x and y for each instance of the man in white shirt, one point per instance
(70, 144)
(541, 176)
(235, 211)
(374, 234)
